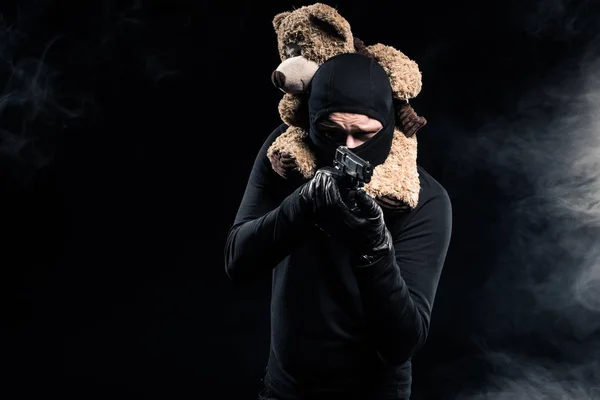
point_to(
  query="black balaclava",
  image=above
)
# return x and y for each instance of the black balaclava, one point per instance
(351, 83)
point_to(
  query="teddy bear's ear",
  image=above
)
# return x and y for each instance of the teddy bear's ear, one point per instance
(279, 18)
(328, 20)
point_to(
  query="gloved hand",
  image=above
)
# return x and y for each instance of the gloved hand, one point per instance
(321, 193)
(320, 201)
(315, 198)
(365, 226)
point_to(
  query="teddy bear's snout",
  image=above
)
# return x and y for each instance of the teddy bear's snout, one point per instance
(278, 79)
(294, 74)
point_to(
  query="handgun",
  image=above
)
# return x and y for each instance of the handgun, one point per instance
(355, 173)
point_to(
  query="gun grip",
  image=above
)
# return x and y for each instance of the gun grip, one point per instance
(351, 200)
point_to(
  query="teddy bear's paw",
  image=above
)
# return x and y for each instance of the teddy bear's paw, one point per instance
(293, 110)
(289, 154)
(407, 119)
(284, 164)
(404, 73)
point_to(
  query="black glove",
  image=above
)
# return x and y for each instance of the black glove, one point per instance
(321, 193)
(316, 198)
(365, 227)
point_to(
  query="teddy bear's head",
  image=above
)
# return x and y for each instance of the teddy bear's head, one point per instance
(306, 37)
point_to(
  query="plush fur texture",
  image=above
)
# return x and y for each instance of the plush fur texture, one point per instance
(293, 110)
(404, 73)
(292, 141)
(317, 29)
(311, 35)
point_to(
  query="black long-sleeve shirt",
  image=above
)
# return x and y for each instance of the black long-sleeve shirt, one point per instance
(339, 330)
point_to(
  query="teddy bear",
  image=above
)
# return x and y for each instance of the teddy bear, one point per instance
(307, 37)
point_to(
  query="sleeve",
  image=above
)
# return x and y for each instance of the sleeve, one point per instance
(398, 290)
(264, 230)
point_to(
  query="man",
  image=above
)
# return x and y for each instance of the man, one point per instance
(352, 289)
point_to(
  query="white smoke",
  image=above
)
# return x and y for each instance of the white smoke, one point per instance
(547, 280)
(35, 102)
(524, 379)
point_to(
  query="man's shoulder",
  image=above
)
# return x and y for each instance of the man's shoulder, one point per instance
(275, 133)
(270, 139)
(431, 189)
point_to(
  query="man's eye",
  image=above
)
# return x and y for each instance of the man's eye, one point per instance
(363, 134)
(334, 135)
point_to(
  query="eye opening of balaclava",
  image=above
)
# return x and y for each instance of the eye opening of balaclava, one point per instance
(351, 83)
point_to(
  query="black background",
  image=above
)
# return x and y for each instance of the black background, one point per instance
(127, 132)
